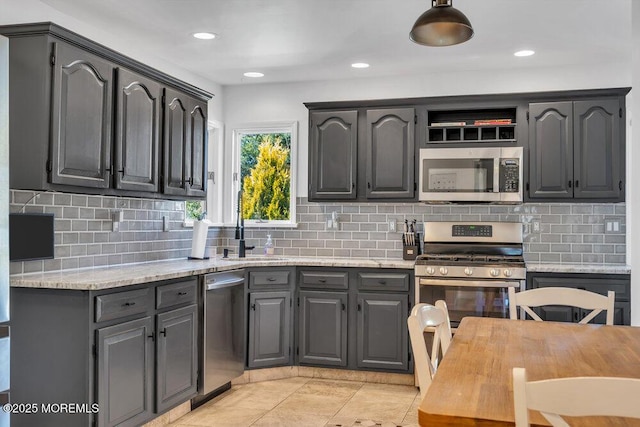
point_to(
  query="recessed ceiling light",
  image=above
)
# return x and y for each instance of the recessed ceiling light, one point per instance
(524, 53)
(253, 74)
(360, 65)
(204, 36)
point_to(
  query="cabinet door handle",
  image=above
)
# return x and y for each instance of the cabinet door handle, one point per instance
(382, 282)
(129, 304)
(570, 183)
(343, 307)
(182, 293)
(322, 280)
(188, 181)
(271, 279)
(121, 171)
(620, 185)
(368, 185)
(359, 307)
(253, 307)
(152, 336)
(575, 316)
(577, 183)
(163, 332)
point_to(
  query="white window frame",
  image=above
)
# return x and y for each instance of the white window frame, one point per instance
(215, 163)
(270, 127)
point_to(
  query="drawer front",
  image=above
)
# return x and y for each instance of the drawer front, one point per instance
(324, 279)
(600, 285)
(177, 294)
(121, 304)
(383, 281)
(261, 279)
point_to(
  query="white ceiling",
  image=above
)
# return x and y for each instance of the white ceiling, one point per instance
(305, 40)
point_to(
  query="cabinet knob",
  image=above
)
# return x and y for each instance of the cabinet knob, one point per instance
(359, 307)
(569, 184)
(322, 280)
(253, 307)
(163, 332)
(382, 282)
(181, 293)
(271, 279)
(577, 183)
(129, 304)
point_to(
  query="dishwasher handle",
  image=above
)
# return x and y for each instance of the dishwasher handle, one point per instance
(225, 284)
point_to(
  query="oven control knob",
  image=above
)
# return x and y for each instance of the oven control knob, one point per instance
(468, 271)
(444, 271)
(430, 270)
(494, 272)
(507, 273)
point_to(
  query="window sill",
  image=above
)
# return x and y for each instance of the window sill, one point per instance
(189, 224)
(265, 224)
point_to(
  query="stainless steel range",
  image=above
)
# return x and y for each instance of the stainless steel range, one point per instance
(470, 265)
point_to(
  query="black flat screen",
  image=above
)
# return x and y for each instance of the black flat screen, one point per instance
(30, 236)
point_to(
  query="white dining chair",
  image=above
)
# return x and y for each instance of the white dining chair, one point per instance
(574, 397)
(428, 318)
(562, 296)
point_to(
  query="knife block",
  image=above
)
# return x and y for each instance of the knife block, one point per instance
(411, 252)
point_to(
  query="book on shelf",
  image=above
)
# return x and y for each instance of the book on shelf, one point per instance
(492, 122)
(444, 124)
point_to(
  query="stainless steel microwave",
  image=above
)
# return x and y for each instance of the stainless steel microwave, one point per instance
(472, 174)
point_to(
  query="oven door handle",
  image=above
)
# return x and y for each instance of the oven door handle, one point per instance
(470, 283)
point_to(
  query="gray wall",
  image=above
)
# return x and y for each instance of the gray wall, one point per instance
(569, 233)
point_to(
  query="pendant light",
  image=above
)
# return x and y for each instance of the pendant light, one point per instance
(442, 25)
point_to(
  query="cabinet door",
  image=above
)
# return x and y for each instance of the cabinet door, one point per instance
(176, 142)
(125, 373)
(382, 332)
(137, 132)
(333, 156)
(269, 329)
(177, 356)
(81, 118)
(551, 150)
(323, 328)
(197, 178)
(390, 153)
(597, 149)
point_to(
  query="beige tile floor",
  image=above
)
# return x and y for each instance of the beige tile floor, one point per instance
(302, 402)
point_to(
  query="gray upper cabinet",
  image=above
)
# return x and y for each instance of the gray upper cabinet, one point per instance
(185, 139)
(81, 118)
(323, 328)
(333, 139)
(576, 150)
(137, 151)
(86, 119)
(390, 151)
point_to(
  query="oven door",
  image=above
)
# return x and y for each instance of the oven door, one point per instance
(481, 298)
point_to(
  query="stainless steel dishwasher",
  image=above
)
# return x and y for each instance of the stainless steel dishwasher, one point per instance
(223, 347)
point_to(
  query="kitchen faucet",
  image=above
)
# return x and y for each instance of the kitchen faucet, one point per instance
(240, 230)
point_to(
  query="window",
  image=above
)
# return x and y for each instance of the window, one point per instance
(213, 206)
(265, 160)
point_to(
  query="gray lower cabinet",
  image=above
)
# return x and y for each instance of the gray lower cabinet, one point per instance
(598, 283)
(576, 150)
(132, 350)
(322, 328)
(382, 331)
(269, 329)
(125, 372)
(176, 356)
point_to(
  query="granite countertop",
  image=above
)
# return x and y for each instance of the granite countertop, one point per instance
(131, 274)
(541, 267)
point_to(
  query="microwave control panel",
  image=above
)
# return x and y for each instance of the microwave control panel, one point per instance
(509, 175)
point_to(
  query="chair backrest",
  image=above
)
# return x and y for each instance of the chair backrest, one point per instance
(562, 296)
(428, 318)
(574, 397)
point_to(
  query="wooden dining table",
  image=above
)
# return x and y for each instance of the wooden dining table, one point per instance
(473, 384)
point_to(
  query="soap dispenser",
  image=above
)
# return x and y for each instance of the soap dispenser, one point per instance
(268, 246)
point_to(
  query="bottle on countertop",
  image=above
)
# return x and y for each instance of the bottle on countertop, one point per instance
(268, 246)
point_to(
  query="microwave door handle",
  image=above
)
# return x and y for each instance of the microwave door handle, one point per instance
(496, 175)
